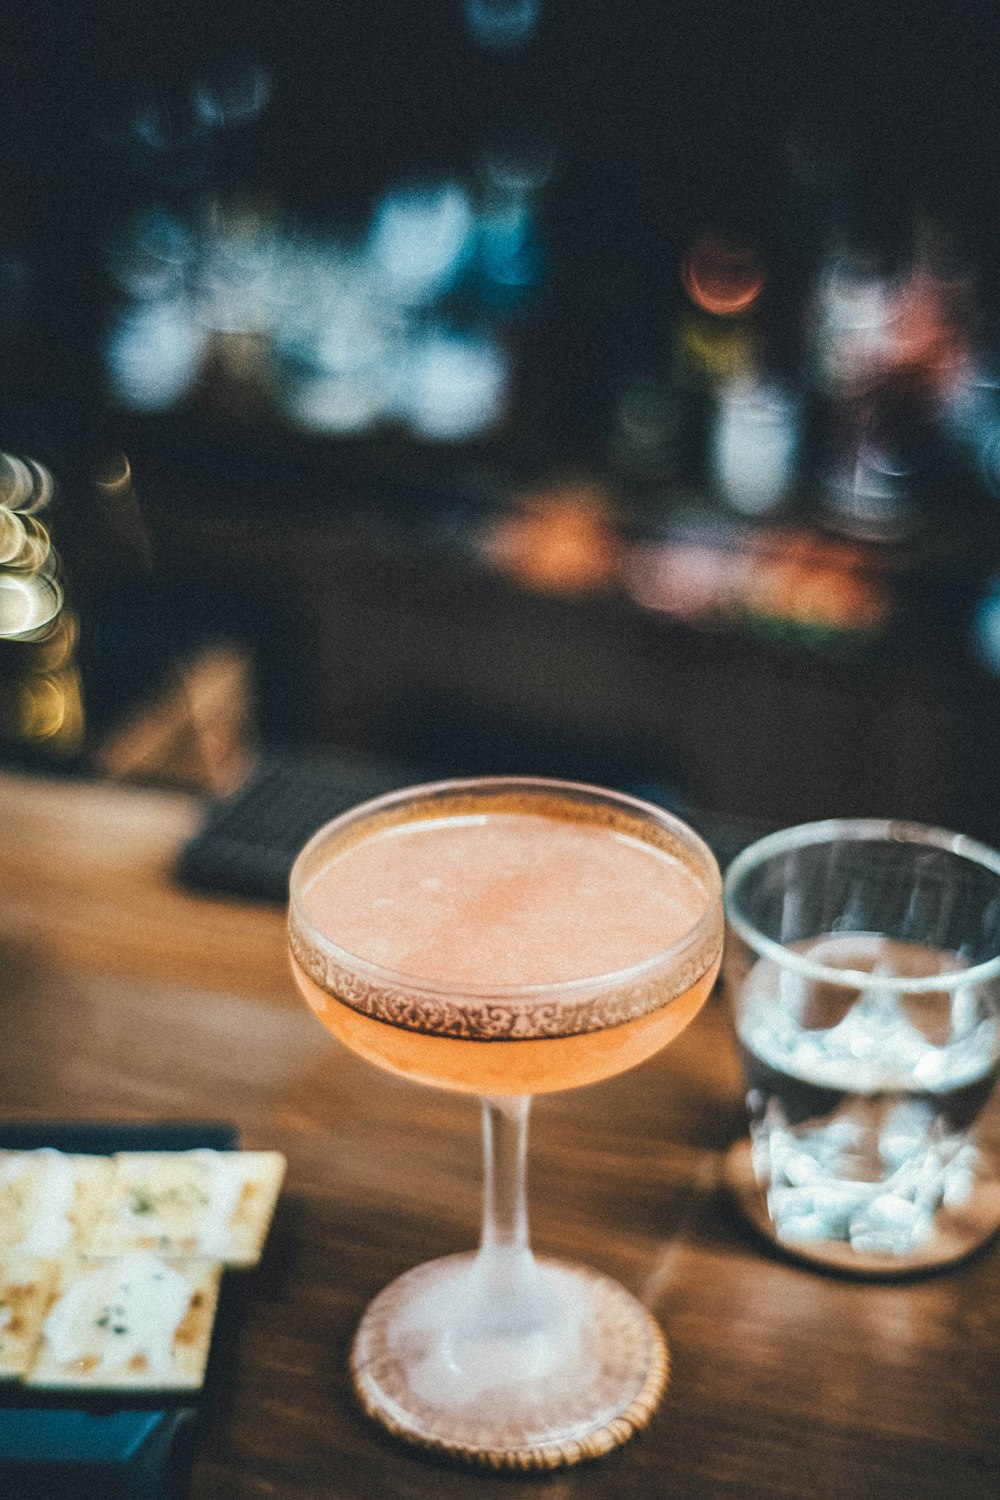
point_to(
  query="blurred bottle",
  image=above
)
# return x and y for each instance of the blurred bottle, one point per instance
(852, 325)
(717, 334)
(870, 484)
(755, 444)
(513, 171)
(653, 438)
(985, 627)
(718, 339)
(970, 419)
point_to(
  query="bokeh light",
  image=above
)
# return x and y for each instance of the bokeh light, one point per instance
(722, 276)
(420, 239)
(558, 540)
(501, 25)
(779, 581)
(455, 385)
(31, 595)
(153, 354)
(755, 445)
(28, 605)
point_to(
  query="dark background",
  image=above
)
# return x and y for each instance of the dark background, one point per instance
(666, 116)
(349, 570)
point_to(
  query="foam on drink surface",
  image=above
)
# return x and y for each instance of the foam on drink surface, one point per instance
(503, 899)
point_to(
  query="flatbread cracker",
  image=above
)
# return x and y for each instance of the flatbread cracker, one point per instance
(50, 1200)
(177, 1204)
(25, 1291)
(134, 1323)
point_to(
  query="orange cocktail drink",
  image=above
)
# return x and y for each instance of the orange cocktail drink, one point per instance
(546, 922)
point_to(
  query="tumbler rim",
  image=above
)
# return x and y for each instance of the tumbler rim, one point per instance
(854, 830)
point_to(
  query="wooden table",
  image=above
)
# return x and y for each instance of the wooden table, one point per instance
(124, 997)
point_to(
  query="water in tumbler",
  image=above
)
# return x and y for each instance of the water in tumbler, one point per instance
(863, 1099)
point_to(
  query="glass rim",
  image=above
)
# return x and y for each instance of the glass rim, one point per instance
(568, 989)
(855, 830)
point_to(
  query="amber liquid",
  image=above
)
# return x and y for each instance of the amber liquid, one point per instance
(535, 1066)
(506, 900)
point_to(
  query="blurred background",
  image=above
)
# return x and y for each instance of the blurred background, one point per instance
(589, 390)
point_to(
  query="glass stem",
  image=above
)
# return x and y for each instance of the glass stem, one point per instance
(506, 1273)
(505, 1154)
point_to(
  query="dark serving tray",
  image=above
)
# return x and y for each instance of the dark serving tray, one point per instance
(248, 841)
(113, 1446)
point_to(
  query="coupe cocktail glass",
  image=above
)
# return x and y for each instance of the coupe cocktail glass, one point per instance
(506, 937)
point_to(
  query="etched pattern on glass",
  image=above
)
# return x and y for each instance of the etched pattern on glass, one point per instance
(499, 1018)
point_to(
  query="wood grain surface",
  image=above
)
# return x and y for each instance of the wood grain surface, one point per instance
(124, 997)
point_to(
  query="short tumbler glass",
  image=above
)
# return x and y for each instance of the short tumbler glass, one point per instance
(863, 972)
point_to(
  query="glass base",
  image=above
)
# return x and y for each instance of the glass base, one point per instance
(577, 1375)
(958, 1232)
